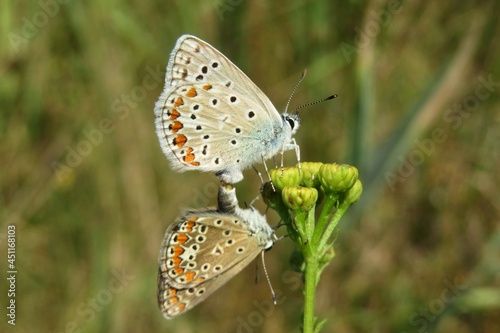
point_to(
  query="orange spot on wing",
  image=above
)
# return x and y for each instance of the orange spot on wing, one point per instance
(181, 306)
(190, 223)
(175, 126)
(189, 276)
(177, 261)
(189, 156)
(182, 238)
(174, 114)
(200, 279)
(191, 93)
(207, 87)
(179, 270)
(178, 250)
(179, 101)
(174, 299)
(179, 141)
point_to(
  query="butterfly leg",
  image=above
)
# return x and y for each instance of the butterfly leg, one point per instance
(259, 174)
(282, 167)
(267, 172)
(278, 225)
(297, 152)
(292, 145)
(261, 185)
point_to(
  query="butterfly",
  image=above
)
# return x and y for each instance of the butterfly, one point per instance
(203, 249)
(211, 117)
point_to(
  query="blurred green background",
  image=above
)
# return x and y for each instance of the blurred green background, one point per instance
(85, 183)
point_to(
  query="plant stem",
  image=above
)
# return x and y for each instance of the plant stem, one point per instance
(296, 205)
(323, 218)
(323, 242)
(311, 261)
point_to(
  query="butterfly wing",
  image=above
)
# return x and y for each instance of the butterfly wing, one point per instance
(195, 61)
(211, 116)
(203, 246)
(199, 254)
(176, 301)
(196, 131)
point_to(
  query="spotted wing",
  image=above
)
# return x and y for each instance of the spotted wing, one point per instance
(199, 248)
(176, 301)
(195, 61)
(210, 128)
(199, 254)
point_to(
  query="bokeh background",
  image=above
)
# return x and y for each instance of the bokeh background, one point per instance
(85, 184)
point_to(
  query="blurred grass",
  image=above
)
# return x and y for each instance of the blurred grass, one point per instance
(108, 213)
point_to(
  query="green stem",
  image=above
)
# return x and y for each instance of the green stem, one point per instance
(310, 290)
(301, 221)
(323, 242)
(323, 219)
(309, 224)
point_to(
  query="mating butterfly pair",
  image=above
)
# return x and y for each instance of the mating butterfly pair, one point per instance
(211, 117)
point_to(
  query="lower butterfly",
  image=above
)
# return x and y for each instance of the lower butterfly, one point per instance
(203, 249)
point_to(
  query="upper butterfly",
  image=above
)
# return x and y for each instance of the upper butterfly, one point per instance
(212, 117)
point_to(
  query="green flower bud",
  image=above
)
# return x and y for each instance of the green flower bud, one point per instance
(289, 176)
(354, 193)
(310, 171)
(337, 178)
(299, 198)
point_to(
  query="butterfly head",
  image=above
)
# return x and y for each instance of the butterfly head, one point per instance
(291, 121)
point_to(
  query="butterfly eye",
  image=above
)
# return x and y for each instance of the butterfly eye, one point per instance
(290, 121)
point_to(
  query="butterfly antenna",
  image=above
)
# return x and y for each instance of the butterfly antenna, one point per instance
(304, 73)
(314, 103)
(273, 294)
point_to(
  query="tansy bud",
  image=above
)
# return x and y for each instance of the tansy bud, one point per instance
(337, 178)
(353, 194)
(299, 198)
(310, 171)
(289, 176)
